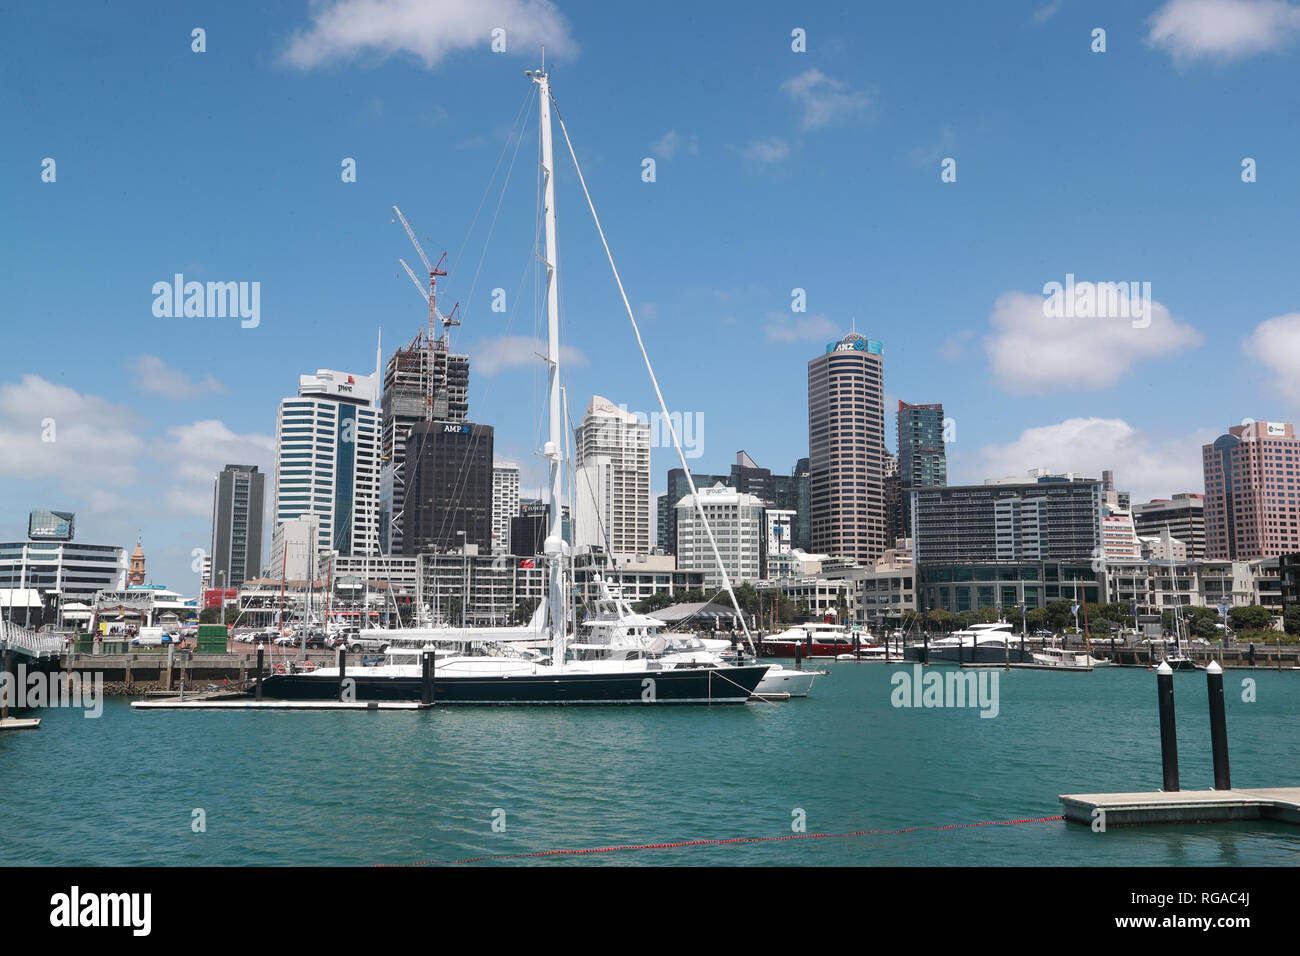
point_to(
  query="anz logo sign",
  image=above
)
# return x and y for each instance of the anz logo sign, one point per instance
(455, 429)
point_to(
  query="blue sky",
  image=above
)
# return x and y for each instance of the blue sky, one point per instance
(775, 170)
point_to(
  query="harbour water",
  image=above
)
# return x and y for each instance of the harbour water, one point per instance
(320, 788)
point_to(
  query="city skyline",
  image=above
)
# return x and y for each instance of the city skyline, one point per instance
(763, 185)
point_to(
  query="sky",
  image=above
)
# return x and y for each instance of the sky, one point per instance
(918, 172)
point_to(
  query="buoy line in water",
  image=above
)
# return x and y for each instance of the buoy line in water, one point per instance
(722, 842)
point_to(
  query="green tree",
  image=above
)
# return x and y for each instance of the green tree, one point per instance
(1251, 617)
(523, 612)
(987, 615)
(1291, 619)
(210, 615)
(938, 619)
(1058, 616)
(964, 619)
(1036, 619)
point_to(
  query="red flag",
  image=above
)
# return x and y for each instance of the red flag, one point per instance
(527, 563)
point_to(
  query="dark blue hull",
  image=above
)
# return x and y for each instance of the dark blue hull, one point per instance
(731, 685)
(969, 655)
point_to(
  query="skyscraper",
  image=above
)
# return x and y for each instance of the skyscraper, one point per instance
(846, 449)
(612, 488)
(448, 487)
(505, 505)
(422, 382)
(922, 461)
(237, 498)
(1252, 479)
(327, 459)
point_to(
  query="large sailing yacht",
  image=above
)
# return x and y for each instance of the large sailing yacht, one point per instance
(480, 668)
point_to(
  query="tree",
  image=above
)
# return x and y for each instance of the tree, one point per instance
(987, 615)
(523, 612)
(1036, 619)
(1251, 617)
(1058, 616)
(210, 615)
(964, 619)
(1291, 619)
(938, 619)
(911, 619)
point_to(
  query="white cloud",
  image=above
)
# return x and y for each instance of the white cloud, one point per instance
(786, 327)
(770, 150)
(1043, 14)
(1147, 465)
(1030, 352)
(1223, 29)
(667, 145)
(349, 29)
(823, 100)
(1276, 343)
(152, 374)
(194, 453)
(489, 356)
(89, 434)
(956, 346)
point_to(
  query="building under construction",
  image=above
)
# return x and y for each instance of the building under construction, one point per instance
(425, 381)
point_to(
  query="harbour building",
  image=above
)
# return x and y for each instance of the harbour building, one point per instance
(238, 495)
(449, 487)
(51, 562)
(846, 450)
(611, 491)
(1008, 542)
(327, 460)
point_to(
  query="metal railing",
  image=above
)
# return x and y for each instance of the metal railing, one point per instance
(23, 639)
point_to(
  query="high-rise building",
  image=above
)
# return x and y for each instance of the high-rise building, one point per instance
(738, 527)
(529, 529)
(237, 498)
(1252, 479)
(894, 504)
(448, 487)
(777, 491)
(612, 487)
(327, 459)
(922, 460)
(1001, 521)
(505, 505)
(1183, 515)
(846, 449)
(422, 382)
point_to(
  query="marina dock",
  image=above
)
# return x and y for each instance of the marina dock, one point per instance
(19, 723)
(1185, 806)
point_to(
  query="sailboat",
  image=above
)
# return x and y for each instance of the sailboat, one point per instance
(483, 669)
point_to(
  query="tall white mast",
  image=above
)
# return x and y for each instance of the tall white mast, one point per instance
(552, 451)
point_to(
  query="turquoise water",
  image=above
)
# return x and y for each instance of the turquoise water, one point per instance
(395, 788)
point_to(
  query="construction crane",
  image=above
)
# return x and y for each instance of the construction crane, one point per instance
(434, 314)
